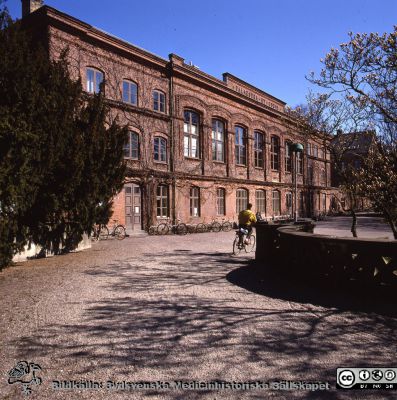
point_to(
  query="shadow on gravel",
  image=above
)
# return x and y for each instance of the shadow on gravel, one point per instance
(177, 269)
(348, 297)
(177, 316)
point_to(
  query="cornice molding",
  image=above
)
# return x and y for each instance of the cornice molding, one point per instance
(178, 68)
(98, 35)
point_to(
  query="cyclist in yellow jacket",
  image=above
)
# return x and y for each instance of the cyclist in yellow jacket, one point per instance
(246, 218)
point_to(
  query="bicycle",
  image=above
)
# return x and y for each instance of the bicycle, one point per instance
(226, 226)
(243, 241)
(201, 228)
(152, 230)
(100, 232)
(179, 228)
(214, 226)
(117, 231)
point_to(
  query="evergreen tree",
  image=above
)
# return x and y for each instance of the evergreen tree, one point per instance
(61, 162)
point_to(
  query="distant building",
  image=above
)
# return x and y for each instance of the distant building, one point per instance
(199, 147)
(351, 149)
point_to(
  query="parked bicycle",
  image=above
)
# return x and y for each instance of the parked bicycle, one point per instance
(100, 232)
(226, 226)
(243, 241)
(179, 228)
(117, 231)
(214, 226)
(152, 230)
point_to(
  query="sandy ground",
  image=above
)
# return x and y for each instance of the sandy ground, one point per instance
(180, 308)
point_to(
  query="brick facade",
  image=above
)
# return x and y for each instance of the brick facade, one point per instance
(186, 88)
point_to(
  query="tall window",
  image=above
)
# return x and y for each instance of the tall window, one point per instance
(324, 201)
(220, 201)
(324, 177)
(158, 101)
(276, 202)
(310, 177)
(288, 155)
(195, 202)
(260, 201)
(334, 203)
(160, 149)
(240, 145)
(315, 150)
(258, 149)
(131, 148)
(162, 201)
(309, 149)
(299, 159)
(302, 203)
(191, 134)
(241, 199)
(218, 140)
(288, 201)
(94, 80)
(130, 92)
(275, 153)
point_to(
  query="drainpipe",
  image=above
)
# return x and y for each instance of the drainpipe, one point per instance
(172, 136)
(296, 148)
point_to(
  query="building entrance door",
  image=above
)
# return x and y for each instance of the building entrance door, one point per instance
(133, 209)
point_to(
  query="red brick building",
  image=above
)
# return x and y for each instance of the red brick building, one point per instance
(200, 148)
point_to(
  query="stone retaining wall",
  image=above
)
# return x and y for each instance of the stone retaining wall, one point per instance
(293, 250)
(35, 250)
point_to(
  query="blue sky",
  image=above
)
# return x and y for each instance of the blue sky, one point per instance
(271, 44)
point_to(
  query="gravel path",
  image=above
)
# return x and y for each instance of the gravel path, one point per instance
(179, 308)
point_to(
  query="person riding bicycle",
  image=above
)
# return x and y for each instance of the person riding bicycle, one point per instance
(245, 220)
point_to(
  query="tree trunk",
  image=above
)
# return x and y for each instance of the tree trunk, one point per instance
(391, 223)
(354, 223)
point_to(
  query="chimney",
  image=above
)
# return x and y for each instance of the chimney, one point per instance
(29, 6)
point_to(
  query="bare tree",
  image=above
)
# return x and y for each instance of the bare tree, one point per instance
(319, 120)
(363, 72)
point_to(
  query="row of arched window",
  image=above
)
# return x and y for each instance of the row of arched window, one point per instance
(132, 148)
(129, 90)
(242, 199)
(191, 131)
(191, 147)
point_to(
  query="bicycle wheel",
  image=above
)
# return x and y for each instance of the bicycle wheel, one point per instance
(200, 228)
(181, 229)
(103, 233)
(191, 228)
(94, 233)
(236, 246)
(163, 229)
(227, 226)
(250, 246)
(216, 227)
(119, 232)
(152, 230)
